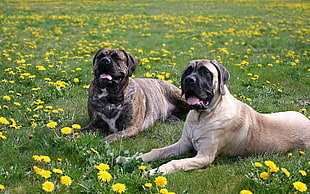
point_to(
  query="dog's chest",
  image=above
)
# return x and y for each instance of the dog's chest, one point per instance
(107, 112)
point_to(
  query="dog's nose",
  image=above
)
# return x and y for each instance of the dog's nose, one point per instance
(191, 79)
(106, 60)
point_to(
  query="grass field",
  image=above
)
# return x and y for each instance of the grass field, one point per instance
(47, 49)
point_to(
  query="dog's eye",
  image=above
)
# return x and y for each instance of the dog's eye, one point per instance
(115, 56)
(100, 56)
(188, 70)
(205, 72)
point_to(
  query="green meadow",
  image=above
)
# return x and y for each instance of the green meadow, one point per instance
(46, 53)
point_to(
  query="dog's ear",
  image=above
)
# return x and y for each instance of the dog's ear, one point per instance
(223, 75)
(187, 70)
(131, 63)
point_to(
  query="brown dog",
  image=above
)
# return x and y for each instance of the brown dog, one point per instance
(127, 106)
(221, 124)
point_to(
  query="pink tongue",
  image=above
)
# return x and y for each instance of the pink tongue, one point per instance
(106, 76)
(192, 100)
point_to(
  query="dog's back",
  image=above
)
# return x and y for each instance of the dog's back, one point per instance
(278, 132)
(166, 101)
(293, 128)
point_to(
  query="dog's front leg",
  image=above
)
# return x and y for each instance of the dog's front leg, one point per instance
(90, 127)
(126, 133)
(176, 149)
(197, 162)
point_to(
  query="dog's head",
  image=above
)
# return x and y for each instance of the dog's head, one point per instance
(113, 67)
(202, 81)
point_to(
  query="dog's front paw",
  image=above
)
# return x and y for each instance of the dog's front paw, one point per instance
(168, 168)
(110, 138)
(122, 160)
(152, 172)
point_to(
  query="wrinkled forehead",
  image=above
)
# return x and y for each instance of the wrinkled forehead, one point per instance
(111, 53)
(196, 64)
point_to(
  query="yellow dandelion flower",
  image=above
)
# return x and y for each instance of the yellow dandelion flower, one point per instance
(119, 188)
(66, 130)
(55, 111)
(2, 136)
(286, 172)
(289, 155)
(65, 180)
(161, 181)
(51, 124)
(258, 164)
(301, 153)
(46, 159)
(148, 74)
(270, 164)
(142, 167)
(102, 166)
(264, 175)
(45, 173)
(2, 187)
(49, 107)
(104, 176)
(36, 169)
(76, 80)
(4, 121)
(16, 103)
(36, 158)
(76, 126)
(302, 172)
(48, 186)
(300, 186)
(274, 169)
(6, 98)
(163, 191)
(40, 68)
(57, 171)
(162, 77)
(246, 192)
(148, 185)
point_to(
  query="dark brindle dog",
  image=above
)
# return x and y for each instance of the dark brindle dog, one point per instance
(127, 106)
